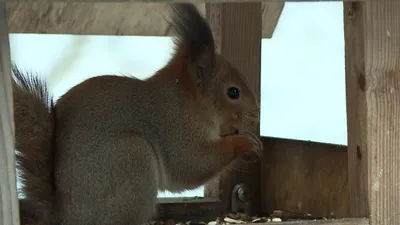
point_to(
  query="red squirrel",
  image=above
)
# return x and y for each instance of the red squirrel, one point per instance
(102, 151)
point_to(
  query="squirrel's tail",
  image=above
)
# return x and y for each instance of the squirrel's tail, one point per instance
(34, 145)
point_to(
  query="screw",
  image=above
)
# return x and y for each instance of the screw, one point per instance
(242, 194)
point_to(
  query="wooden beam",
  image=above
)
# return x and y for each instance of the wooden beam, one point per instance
(9, 212)
(305, 178)
(347, 221)
(372, 35)
(270, 13)
(142, 19)
(237, 31)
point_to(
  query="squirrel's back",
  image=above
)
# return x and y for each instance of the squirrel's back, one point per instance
(34, 130)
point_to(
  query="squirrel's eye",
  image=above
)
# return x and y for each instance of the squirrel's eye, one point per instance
(233, 92)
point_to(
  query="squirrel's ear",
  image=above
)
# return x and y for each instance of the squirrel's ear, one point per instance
(194, 42)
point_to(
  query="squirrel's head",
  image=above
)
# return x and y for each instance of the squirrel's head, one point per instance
(205, 75)
(232, 98)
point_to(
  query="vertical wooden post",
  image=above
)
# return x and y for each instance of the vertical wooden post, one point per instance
(9, 213)
(237, 31)
(372, 35)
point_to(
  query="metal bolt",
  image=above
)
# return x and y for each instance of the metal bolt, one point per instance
(242, 194)
(240, 198)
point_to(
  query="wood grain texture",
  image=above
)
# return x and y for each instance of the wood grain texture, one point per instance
(9, 213)
(237, 31)
(141, 19)
(270, 13)
(372, 34)
(184, 211)
(305, 177)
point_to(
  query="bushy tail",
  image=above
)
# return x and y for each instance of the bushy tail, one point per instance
(34, 130)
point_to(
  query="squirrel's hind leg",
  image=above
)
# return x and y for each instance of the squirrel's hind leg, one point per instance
(122, 191)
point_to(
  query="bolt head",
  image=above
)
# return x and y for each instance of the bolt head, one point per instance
(242, 194)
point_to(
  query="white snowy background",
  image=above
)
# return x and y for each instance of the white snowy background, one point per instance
(303, 77)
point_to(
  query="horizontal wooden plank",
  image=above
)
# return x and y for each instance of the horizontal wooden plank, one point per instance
(305, 178)
(191, 211)
(141, 19)
(186, 200)
(346, 221)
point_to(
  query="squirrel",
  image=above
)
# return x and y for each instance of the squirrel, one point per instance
(102, 151)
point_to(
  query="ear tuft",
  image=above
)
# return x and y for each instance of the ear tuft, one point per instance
(194, 40)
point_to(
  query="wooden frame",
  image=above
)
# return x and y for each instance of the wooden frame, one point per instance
(9, 213)
(141, 19)
(318, 171)
(372, 35)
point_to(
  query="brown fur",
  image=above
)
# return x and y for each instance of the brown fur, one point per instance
(34, 134)
(119, 140)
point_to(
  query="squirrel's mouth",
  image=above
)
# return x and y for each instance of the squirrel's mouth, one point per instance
(234, 132)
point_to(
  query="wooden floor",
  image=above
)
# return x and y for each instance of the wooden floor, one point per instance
(348, 221)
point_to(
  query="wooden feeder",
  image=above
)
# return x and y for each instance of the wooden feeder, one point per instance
(358, 184)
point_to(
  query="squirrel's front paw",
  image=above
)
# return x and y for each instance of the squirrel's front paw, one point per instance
(248, 146)
(257, 150)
